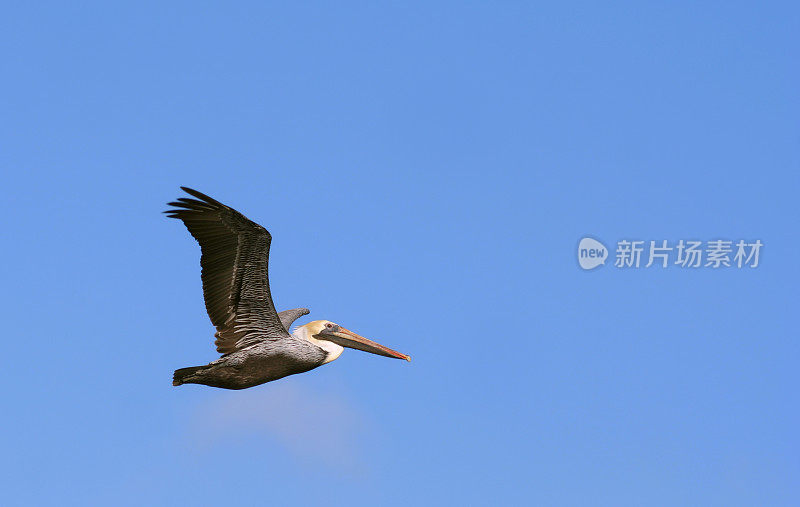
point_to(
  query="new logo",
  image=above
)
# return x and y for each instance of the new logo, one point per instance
(591, 253)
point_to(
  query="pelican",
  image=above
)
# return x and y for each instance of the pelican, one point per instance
(253, 338)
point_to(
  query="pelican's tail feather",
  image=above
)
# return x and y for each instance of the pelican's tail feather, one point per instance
(180, 375)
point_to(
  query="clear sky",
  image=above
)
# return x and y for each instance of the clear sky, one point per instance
(426, 171)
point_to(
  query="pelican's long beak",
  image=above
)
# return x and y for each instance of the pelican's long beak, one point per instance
(347, 338)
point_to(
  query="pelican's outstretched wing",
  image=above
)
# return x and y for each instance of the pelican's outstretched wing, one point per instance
(235, 252)
(289, 316)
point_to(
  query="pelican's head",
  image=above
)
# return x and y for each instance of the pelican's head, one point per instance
(332, 337)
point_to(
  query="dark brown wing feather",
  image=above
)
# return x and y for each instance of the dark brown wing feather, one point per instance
(235, 254)
(289, 316)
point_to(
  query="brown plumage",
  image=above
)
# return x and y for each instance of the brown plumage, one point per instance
(234, 262)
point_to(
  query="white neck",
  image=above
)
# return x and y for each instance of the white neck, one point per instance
(334, 350)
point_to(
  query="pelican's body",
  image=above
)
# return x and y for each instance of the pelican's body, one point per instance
(254, 339)
(263, 362)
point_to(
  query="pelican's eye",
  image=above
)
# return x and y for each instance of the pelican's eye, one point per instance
(329, 325)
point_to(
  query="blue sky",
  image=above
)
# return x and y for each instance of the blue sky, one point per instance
(426, 171)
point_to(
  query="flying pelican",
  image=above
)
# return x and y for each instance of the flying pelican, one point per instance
(253, 338)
